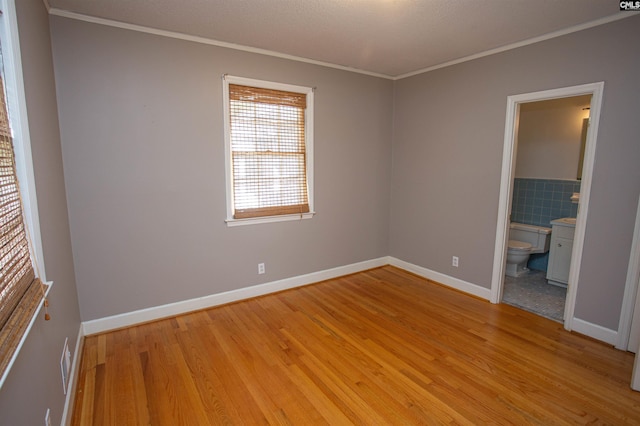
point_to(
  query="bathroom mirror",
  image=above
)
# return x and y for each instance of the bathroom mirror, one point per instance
(583, 142)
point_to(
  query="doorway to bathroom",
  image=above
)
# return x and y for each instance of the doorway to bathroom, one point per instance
(549, 156)
(548, 159)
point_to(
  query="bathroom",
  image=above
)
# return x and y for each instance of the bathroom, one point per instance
(546, 193)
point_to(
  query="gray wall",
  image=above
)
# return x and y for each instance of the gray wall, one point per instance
(447, 153)
(142, 136)
(141, 124)
(142, 131)
(549, 138)
(34, 383)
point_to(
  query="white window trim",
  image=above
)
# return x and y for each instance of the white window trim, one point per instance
(226, 80)
(17, 106)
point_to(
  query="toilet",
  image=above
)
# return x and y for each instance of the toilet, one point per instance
(525, 240)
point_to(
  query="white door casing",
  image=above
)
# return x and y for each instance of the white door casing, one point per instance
(506, 183)
(629, 326)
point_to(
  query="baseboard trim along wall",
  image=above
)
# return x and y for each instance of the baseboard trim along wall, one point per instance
(458, 284)
(158, 312)
(150, 314)
(594, 331)
(73, 380)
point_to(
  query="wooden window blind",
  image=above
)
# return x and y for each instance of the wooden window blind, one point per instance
(268, 152)
(20, 290)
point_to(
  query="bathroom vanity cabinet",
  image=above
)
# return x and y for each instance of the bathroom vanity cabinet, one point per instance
(562, 232)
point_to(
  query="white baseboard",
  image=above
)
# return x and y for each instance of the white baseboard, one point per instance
(73, 380)
(458, 284)
(150, 314)
(158, 312)
(595, 331)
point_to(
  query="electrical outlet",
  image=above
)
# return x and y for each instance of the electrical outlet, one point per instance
(454, 261)
(47, 418)
(261, 268)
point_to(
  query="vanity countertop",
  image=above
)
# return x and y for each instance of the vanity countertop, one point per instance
(565, 221)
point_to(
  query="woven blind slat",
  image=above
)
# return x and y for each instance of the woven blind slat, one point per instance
(268, 150)
(267, 96)
(12, 331)
(11, 295)
(20, 290)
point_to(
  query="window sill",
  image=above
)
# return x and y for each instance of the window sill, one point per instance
(36, 313)
(269, 219)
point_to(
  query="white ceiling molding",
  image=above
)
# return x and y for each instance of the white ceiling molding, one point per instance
(203, 40)
(549, 36)
(381, 38)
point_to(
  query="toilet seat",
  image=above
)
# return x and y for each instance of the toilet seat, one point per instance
(519, 245)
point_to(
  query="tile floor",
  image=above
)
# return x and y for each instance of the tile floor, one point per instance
(532, 293)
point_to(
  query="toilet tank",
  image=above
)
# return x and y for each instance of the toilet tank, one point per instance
(538, 236)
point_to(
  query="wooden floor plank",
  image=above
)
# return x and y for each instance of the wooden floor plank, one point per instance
(377, 347)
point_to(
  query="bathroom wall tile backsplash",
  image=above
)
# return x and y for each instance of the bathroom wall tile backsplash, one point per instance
(539, 201)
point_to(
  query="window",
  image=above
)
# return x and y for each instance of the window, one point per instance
(268, 140)
(21, 290)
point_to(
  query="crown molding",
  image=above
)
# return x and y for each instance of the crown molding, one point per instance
(204, 40)
(618, 16)
(218, 43)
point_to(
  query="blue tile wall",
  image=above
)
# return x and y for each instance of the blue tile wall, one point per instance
(538, 202)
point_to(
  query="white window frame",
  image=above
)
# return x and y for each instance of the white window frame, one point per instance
(308, 91)
(17, 109)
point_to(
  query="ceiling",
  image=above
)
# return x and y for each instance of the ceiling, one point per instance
(390, 38)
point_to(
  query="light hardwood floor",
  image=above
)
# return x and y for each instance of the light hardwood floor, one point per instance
(375, 348)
